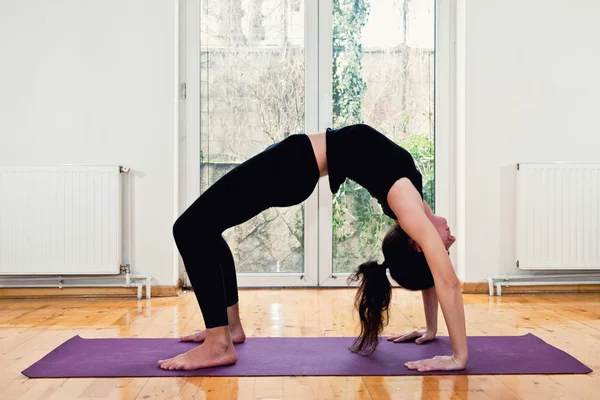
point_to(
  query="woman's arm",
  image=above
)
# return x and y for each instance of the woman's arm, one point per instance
(430, 303)
(429, 214)
(407, 205)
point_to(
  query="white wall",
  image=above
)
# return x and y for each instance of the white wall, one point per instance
(94, 82)
(531, 88)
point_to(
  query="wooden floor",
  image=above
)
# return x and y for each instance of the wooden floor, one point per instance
(29, 329)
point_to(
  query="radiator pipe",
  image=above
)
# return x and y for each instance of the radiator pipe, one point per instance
(538, 280)
(139, 286)
(539, 283)
(66, 281)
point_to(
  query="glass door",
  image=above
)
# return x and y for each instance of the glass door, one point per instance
(377, 68)
(254, 70)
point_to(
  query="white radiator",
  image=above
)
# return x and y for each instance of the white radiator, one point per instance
(60, 220)
(558, 216)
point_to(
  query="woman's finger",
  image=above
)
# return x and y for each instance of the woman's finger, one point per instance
(398, 336)
(406, 337)
(402, 338)
(414, 364)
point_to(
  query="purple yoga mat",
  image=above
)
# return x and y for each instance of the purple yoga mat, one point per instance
(327, 356)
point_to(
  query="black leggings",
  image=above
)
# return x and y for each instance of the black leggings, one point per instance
(283, 175)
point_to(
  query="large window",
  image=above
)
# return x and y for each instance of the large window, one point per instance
(264, 76)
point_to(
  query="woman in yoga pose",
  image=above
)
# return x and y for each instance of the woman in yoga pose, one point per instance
(285, 174)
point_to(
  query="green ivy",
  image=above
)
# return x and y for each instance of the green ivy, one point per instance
(349, 18)
(422, 149)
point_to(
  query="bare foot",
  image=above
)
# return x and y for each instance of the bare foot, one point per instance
(209, 354)
(237, 335)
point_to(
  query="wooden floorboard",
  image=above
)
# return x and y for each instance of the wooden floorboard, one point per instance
(31, 328)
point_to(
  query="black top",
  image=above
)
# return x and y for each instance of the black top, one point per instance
(369, 158)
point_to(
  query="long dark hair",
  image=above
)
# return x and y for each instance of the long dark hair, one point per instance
(372, 303)
(407, 267)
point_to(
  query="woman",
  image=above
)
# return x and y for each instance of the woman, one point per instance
(285, 174)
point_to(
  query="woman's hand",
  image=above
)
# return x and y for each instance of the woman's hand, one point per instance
(421, 335)
(438, 363)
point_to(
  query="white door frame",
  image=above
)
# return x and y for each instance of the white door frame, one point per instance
(445, 112)
(326, 274)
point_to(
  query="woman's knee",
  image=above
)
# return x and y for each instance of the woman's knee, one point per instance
(183, 226)
(186, 227)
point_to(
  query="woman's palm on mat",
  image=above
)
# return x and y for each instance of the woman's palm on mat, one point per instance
(437, 363)
(420, 336)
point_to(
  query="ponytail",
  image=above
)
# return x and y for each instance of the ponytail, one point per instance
(371, 301)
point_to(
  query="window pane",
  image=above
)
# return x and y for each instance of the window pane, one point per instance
(383, 75)
(252, 95)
